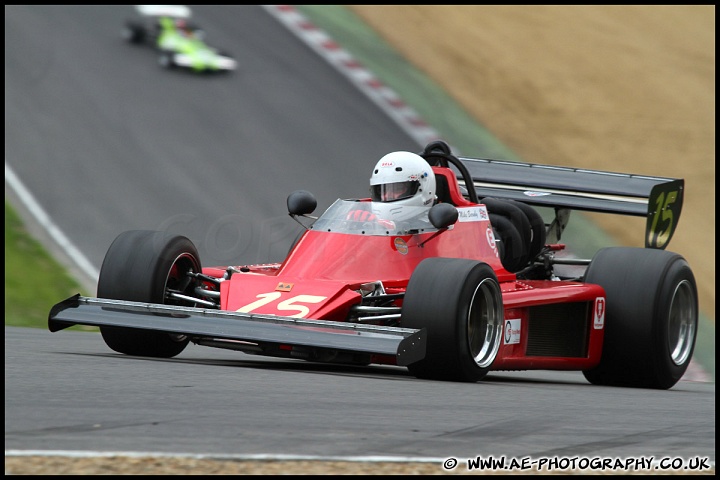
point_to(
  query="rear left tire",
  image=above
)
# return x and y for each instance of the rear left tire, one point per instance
(651, 317)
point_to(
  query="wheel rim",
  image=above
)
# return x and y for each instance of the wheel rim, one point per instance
(485, 323)
(178, 280)
(681, 327)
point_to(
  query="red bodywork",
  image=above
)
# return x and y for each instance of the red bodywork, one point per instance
(554, 325)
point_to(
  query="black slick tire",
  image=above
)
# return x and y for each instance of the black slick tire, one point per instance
(459, 303)
(141, 266)
(651, 317)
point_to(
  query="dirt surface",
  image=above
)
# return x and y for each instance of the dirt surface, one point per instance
(188, 466)
(618, 88)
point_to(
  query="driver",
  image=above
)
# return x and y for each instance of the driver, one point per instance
(402, 179)
(399, 180)
(189, 31)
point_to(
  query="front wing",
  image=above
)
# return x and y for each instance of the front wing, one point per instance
(204, 62)
(405, 344)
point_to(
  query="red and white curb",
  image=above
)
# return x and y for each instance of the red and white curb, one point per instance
(383, 96)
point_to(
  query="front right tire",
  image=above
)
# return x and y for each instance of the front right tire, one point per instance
(143, 266)
(134, 32)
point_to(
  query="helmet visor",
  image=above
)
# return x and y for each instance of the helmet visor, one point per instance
(390, 192)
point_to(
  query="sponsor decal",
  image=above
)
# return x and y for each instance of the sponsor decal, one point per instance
(599, 313)
(293, 304)
(491, 240)
(387, 164)
(529, 193)
(472, 214)
(284, 287)
(400, 245)
(512, 331)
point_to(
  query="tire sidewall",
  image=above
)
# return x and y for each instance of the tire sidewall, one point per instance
(667, 372)
(639, 285)
(438, 299)
(136, 268)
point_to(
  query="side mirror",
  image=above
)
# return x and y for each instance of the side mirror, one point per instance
(443, 215)
(301, 202)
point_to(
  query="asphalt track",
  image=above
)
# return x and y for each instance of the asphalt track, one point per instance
(107, 141)
(67, 392)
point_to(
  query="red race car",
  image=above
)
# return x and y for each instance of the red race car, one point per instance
(447, 269)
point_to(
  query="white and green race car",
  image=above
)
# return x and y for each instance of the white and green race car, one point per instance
(180, 42)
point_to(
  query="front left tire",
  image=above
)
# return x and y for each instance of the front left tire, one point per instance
(167, 61)
(459, 303)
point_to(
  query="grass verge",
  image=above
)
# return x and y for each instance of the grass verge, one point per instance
(34, 280)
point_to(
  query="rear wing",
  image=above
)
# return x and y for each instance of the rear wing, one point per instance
(656, 198)
(175, 11)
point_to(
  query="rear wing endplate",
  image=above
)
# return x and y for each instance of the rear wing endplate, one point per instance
(656, 198)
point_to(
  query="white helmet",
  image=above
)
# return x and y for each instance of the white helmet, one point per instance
(403, 178)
